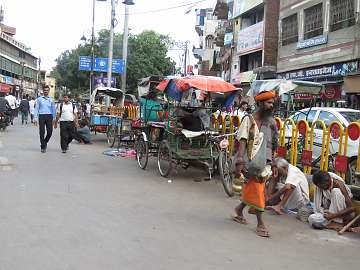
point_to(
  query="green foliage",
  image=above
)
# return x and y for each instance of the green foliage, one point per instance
(147, 55)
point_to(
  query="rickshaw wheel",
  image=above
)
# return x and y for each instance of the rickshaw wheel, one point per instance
(164, 159)
(110, 135)
(142, 152)
(225, 172)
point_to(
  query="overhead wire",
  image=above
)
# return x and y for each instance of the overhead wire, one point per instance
(193, 4)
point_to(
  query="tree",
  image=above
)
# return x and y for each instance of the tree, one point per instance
(147, 55)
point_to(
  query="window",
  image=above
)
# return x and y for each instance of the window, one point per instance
(289, 30)
(327, 117)
(351, 116)
(313, 25)
(250, 61)
(342, 14)
(209, 42)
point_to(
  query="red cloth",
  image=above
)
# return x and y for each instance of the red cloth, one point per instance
(253, 194)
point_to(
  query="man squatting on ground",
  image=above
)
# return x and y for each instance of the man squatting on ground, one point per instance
(333, 206)
(253, 129)
(288, 188)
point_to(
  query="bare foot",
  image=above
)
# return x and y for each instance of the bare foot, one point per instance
(334, 226)
(355, 229)
(275, 208)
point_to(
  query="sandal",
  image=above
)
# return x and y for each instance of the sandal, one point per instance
(239, 219)
(262, 231)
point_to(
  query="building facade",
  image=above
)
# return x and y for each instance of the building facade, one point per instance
(319, 41)
(18, 67)
(248, 37)
(206, 25)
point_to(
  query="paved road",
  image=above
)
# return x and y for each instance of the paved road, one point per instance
(84, 210)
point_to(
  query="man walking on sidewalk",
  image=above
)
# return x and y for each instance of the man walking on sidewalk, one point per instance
(44, 113)
(67, 114)
(24, 109)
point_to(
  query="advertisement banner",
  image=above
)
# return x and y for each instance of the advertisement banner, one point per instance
(250, 38)
(228, 39)
(102, 81)
(242, 6)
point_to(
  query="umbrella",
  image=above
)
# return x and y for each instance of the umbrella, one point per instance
(205, 83)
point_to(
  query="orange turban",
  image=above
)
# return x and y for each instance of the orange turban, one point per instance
(265, 96)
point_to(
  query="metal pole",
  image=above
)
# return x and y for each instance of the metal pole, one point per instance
(125, 47)
(111, 44)
(92, 52)
(185, 57)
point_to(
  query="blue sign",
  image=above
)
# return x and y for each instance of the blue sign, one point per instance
(101, 64)
(85, 63)
(315, 41)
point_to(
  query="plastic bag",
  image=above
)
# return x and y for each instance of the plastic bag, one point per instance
(257, 164)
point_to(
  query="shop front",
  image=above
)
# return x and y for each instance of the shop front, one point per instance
(332, 76)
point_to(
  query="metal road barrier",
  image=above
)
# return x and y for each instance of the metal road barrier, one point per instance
(312, 136)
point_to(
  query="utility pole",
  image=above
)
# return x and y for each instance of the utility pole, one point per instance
(125, 47)
(92, 52)
(111, 45)
(185, 58)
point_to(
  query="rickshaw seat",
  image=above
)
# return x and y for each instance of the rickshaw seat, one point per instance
(193, 134)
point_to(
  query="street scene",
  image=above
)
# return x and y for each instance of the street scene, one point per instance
(210, 134)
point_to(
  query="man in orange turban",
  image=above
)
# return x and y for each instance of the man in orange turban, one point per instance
(257, 131)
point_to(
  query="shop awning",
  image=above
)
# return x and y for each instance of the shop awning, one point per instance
(352, 84)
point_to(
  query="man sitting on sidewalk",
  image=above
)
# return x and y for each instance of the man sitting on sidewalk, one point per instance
(333, 206)
(292, 193)
(83, 134)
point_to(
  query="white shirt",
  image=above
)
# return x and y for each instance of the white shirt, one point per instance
(88, 108)
(32, 106)
(296, 177)
(12, 101)
(67, 113)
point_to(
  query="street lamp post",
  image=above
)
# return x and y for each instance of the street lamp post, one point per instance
(125, 46)
(111, 45)
(125, 42)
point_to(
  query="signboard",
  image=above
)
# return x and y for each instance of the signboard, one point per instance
(101, 64)
(335, 70)
(250, 38)
(102, 81)
(85, 63)
(244, 77)
(315, 41)
(228, 39)
(242, 6)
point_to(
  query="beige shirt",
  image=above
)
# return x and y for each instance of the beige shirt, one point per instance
(244, 134)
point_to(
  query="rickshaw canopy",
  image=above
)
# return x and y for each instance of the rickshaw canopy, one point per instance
(282, 86)
(108, 91)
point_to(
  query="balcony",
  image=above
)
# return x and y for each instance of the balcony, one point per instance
(221, 10)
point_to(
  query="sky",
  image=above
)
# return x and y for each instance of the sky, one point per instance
(50, 27)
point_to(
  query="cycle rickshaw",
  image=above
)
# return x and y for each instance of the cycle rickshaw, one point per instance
(187, 137)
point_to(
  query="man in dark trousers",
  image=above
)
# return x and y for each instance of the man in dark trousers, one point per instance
(44, 113)
(24, 109)
(67, 114)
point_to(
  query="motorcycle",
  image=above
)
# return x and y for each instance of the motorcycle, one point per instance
(4, 121)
